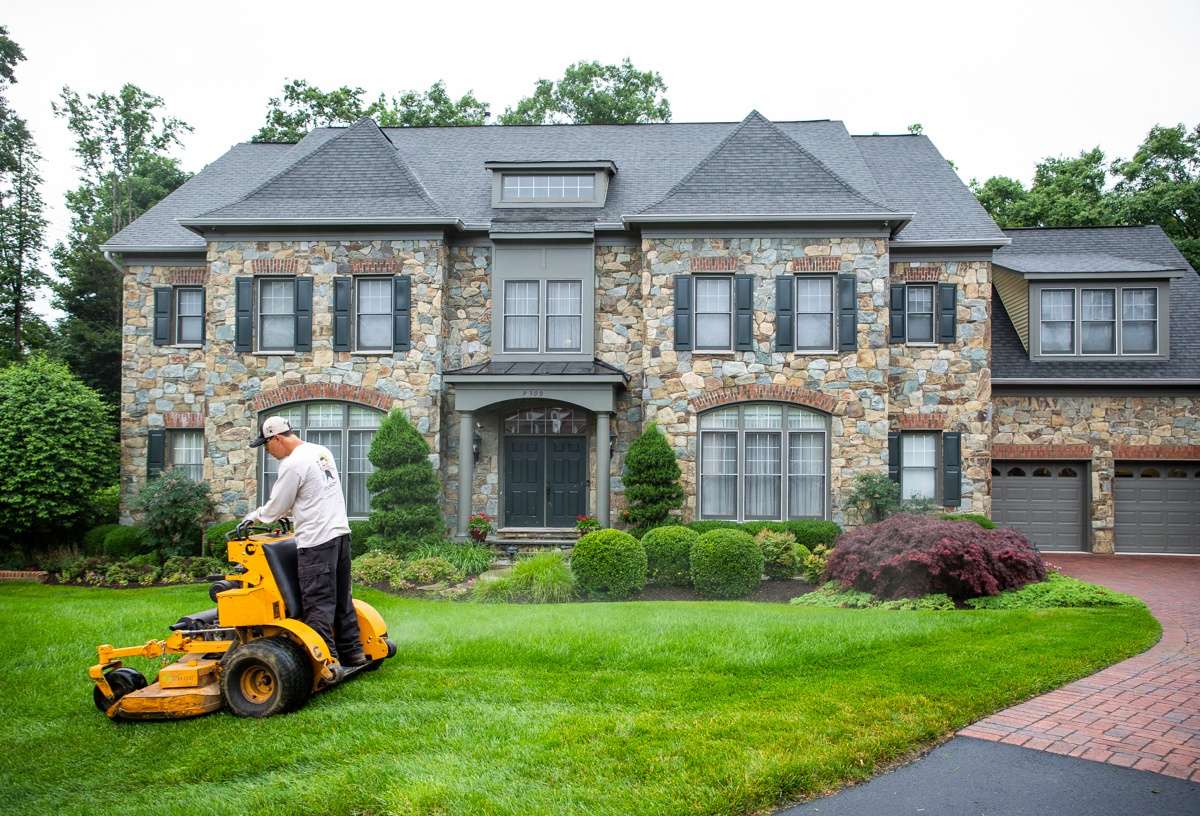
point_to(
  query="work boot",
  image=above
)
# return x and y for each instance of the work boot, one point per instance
(353, 660)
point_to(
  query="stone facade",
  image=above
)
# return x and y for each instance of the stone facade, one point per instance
(223, 385)
(877, 388)
(1100, 430)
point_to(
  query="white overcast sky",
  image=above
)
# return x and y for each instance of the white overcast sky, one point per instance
(996, 85)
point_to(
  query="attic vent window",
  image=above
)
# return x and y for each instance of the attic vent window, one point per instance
(549, 188)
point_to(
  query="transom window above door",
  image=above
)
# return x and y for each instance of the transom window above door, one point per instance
(545, 420)
(763, 461)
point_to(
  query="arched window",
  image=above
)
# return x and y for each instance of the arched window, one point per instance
(347, 430)
(1068, 473)
(1124, 473)
(995, 472)
(545, 420)
(1041, 472)
(763, 461)
(1016, 472)
(1150, 473)
(1176, 473)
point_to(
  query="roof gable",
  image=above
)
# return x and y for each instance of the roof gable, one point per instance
(758, 169)
(356, 174)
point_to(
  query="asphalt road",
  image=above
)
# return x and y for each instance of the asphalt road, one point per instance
(971, 777)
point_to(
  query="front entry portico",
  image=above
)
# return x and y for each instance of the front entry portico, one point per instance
(545, 411)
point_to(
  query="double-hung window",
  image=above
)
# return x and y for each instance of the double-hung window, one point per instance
(277, 314)
(564, 315)
(1139, 321)
(919, 311)
(521, 314)
(185, 453)
(1058, 321)
(714, 313)
(814, 313)
(918, 465)
(1098, 321)
(373, 315)
(763, 461)
(189, 316)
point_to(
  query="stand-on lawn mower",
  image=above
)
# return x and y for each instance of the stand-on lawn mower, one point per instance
(252, 653)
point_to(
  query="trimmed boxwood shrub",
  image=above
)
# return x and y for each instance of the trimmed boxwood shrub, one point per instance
(983, 521)
(123, 542)
(726, 564)
(809, 532)
(906, 556)
(652, 490)
(667, 551)
(609, 564)
(93, 539)
(404, 506)
(360, 531)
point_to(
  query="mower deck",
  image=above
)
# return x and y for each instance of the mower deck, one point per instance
(157, 703)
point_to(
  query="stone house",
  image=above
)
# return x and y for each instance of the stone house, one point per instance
(792, 305)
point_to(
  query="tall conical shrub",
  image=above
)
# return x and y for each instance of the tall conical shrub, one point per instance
(404, 489)
(652, 489)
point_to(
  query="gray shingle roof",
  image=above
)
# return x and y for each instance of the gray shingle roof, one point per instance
(1089, 246)
(759, 169)
(355, 174)
(448, 163)
(914, 177)
(1130, 249)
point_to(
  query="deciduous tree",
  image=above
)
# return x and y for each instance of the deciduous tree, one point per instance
(590, 93)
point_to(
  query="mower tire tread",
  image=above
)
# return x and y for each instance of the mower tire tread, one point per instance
(264, 677)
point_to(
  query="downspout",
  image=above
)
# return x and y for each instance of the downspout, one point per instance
(108, 256)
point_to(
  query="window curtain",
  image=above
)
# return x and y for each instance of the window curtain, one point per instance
(278, 314)
(763, 473)
(564, 310)
(918, 457)
(806, 475)
(1058, 320)
(375, 314)
(814, 313)
(191, 316)
(521, 315)
(718, 488)
(1139, 313)
(1099, 312)
(714, 309)
(187, 453)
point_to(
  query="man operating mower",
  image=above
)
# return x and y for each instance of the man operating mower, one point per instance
(309, 490)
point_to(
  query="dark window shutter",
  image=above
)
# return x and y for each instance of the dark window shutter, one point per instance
(847, 312)
(304, 294)
(785, 313)
(162, 315)
(947, 312)
(244, 314)
(743, 319)
(952, 469)
(894, 456)
(897, 328)
(402, 313)
(203, 316)
(341, 312)
(683, 312)
(156, 452)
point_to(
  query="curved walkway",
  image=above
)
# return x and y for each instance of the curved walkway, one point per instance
(1143, 713)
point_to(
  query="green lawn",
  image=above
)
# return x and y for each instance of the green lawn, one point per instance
(631, 708)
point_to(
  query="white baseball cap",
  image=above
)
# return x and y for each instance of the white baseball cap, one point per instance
(272, 427)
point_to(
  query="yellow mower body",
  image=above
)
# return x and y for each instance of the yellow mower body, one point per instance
(252, 654)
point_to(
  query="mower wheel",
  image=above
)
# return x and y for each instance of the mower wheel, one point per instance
(375, 664)
(121, 681)
(266, 676)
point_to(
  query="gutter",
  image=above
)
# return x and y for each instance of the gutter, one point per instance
(889, 217)
(108, 256)
(957, 242)
(1087, 381)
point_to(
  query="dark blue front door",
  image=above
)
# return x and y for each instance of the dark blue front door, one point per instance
(566, 477)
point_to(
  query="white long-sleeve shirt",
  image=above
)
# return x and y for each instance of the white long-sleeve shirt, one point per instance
(309, 490)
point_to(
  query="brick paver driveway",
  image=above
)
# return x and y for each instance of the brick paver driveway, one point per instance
(1143, 713)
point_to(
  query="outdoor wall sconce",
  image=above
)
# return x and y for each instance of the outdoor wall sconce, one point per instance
(476, 443)
(612, 440)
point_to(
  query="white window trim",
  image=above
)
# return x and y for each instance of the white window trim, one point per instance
(1121, 320)
(933, 314)
(1161, 336)
(833, 316)
(173, 434)
(696, 347)
(936, 436)
(740, 465)
(539, 315)
(258, 314)
(1116, 352)
(534, 199)
(354, 318)
(544, 319)
(175, 316)
(1074, 351)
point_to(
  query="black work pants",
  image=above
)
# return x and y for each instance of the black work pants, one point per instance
(325, 596)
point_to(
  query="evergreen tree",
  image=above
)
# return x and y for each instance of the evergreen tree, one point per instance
(404, 489)
(22, 230)
(652, 487)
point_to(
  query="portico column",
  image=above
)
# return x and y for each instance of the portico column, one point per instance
(602, 475)
(466, 468)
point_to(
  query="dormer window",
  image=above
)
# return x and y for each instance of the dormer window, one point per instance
(1118, 319)
(549, 189)
(550, 184)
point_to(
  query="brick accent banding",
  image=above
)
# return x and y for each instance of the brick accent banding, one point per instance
(318, 391)
(773, 393)
(364, 267)
(923, 273)
(816, 263)
(1156, 452)
(1073, 452)
(723, 263)
(188, 276)
(923, 422)
(275, 266)
(183, 419)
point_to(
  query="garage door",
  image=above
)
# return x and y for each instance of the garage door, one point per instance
(1044, 500)
(1158, 507)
